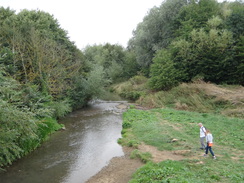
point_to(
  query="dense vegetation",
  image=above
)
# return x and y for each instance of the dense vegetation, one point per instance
(183, 40)
(43, 75)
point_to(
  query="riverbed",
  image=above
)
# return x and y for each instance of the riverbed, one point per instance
(77, 153)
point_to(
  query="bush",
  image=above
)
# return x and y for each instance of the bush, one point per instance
(143, 156)
(46, 127)
(164, 75)
(60, 108)
(16, 128)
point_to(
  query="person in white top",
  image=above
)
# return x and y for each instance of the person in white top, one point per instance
(209, 140)
(202, 135)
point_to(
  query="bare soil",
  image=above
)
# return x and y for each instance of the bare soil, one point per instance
(121, 169)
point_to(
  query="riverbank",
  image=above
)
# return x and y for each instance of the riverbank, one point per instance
(75, 154)
(171, 137)
(119, 169)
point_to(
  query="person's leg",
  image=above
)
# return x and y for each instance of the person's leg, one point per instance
(211, 151)
(202, 139)
(206, 152)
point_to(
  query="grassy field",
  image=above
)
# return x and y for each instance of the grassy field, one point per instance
(158, 128)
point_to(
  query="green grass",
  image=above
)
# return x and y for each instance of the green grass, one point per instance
(188, 171)
(157, 127)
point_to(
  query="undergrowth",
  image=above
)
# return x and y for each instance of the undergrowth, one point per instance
(197, 96)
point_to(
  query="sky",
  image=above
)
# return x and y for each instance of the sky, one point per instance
(90, 22)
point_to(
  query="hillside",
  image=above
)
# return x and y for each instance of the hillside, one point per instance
(197, 96)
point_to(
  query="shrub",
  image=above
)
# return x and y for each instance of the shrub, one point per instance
(60, 108)
(164, 75)
(143, 156)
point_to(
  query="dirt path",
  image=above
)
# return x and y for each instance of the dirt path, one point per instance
(121, 169)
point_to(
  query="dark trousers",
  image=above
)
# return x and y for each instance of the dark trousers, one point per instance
(210, 149)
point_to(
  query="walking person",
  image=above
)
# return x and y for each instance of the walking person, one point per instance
(209, 140)
(202, 135)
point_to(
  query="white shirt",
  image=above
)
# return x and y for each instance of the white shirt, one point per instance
(202, 131)
(209, 138)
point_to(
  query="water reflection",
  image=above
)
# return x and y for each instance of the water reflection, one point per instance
(75, 154)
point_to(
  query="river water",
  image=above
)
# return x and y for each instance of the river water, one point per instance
(75, 154)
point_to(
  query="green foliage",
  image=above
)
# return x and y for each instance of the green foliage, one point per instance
(201, 36)
(239, 57)
(144, 157)
(30, 62)
(132, 89)
(155, 32)
(131, 66)
(126, 124)
(197, 96)
(195, 16)
(60, 108)
(234, 21)
(168, 171)
(22, 109)
(207, 54)
(164, 75)
(118, 64)
(16, 127)
(46, 127)
(35, 50)
(133, 95)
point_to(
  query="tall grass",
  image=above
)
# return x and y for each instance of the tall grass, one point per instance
(133, 89)
(197, 96)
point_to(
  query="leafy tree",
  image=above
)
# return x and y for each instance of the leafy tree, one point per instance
(5, 13)
(163, 73)
(235, 21)
(155, 32)
(43, 54)
(114, 59)
(208, 54)
(195, 16)
(86, 88)
(131, 66)
(238, 76)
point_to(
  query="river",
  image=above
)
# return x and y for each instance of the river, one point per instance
(77, 153)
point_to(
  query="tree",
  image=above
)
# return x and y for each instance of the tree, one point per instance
(206, 54)
(195, 16)
(235, 21)
(155, 32)
(113, 58)
(163, 74)
(43, 54)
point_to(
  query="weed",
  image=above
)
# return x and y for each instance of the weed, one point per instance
(143, 156)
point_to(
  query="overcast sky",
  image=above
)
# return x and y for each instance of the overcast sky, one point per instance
(90, 22)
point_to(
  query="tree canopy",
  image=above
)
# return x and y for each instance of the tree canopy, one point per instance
(203, 37)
